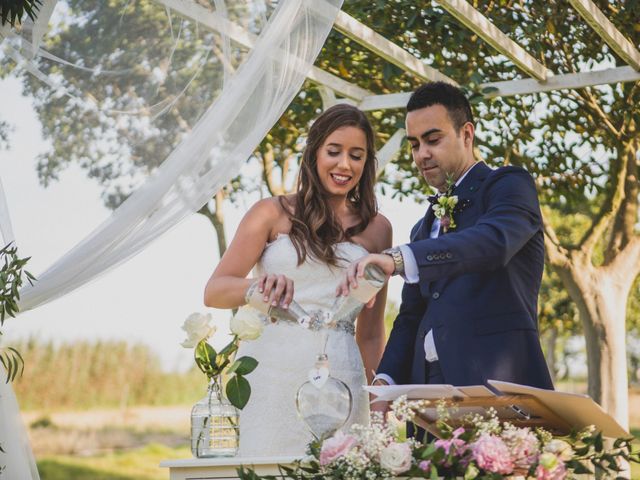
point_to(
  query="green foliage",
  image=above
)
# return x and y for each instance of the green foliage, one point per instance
(12, 11)
(118, 373)
(12, 276)
(214, 364)
(238, 391)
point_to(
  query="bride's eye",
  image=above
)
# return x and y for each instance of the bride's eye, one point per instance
(333, 153)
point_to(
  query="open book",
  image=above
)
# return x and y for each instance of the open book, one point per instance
(520, 404)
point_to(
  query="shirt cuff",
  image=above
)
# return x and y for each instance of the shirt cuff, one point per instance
(410, 274)
(385, 377)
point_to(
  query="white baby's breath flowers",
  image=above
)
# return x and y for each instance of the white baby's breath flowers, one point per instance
(405, 410)
(198, 327)
(246, 324)
(489, 423)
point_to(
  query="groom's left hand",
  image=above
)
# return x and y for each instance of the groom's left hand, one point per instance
(356, 271)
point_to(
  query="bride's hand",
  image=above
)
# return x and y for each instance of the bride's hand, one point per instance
(276, 289)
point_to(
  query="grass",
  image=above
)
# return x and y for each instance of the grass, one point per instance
(138, 464)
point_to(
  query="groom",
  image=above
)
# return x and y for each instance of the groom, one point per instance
(469, 304)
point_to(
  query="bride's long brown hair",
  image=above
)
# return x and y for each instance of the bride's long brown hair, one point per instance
(315, 230)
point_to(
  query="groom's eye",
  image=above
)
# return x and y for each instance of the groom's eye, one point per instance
(414, 146)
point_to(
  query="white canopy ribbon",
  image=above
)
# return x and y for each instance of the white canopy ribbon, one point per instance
(223, 138)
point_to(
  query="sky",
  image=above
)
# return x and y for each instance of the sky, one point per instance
(143, 300)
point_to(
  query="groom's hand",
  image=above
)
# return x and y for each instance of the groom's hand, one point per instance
(356, 271)
(382, 407)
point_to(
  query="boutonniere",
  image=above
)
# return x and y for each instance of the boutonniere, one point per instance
(445, 205)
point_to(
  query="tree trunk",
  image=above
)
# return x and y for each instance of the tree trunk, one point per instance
(601, 298)
(217, 220)
(218, 223)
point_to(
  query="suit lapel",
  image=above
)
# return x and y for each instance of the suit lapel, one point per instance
(470, 186)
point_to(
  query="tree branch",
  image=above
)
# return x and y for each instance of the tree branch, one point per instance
(626, 217)
(217, 219)
(268, 164)
(610, 207)
(627, 262)
(557, 255)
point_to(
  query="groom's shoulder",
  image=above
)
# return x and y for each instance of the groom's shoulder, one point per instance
(509, 173)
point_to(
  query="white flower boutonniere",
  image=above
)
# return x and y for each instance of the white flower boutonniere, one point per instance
(443, 210)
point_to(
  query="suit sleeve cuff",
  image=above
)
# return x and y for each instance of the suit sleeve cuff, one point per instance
(410, 274)
(385, 377)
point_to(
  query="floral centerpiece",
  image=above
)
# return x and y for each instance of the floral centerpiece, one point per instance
(214, 419)
(484, 449)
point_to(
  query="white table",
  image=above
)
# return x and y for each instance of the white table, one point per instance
(222, 468)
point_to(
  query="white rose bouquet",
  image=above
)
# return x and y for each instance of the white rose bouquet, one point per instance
(245, 325)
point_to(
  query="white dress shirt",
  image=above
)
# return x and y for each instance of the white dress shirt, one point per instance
(411, 275)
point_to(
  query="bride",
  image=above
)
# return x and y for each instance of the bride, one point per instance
(300, 246)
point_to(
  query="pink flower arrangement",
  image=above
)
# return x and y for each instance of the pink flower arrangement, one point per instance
(484, 448)
(491, 454)
(336, 447)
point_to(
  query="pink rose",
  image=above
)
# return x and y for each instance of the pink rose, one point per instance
(336, 447)
(492, 455)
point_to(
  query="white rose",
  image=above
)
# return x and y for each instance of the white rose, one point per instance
(198, 327)
(560, 448)
(396, 458)
(246, 324)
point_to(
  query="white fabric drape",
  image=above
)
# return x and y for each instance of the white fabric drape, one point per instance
(223, 138)
(18, 460)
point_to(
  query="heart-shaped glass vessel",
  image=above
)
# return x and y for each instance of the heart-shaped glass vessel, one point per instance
(323, 402)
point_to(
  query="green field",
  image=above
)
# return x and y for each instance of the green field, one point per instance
(137, 464)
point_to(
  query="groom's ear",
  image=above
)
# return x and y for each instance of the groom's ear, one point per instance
(468, 134)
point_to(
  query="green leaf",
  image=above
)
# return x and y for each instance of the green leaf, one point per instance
(230, 347)
(238, 391)
(243, 366)
(434, 473)
(205, 357)
(598, 442)
(580, 469)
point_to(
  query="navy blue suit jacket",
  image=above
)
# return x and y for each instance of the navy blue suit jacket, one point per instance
(478, 288)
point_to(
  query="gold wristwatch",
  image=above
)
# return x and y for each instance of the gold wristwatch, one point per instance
(398, 259)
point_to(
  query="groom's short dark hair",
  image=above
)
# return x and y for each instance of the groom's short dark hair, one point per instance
(442, 93)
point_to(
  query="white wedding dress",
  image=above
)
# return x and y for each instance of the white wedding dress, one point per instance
(269, 423)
